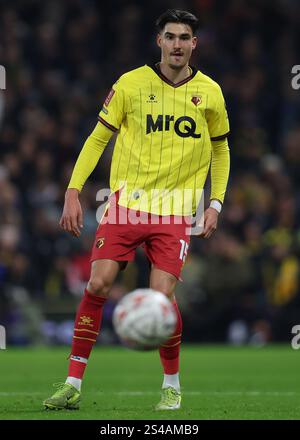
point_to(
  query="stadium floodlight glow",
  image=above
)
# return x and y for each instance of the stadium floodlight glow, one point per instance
(2, 78)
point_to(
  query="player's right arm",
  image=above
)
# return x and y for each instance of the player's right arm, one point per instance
(72, 218)
(110, 119)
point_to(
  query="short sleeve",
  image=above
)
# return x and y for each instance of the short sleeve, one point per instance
(114, 108)
(218, 123)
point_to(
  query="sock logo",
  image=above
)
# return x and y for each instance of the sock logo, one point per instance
(79, 359)
(99, 243)
(86, 320)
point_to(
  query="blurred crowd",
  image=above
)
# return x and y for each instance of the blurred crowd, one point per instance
(61, 58)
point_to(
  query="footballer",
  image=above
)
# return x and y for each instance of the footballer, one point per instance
(172, 128)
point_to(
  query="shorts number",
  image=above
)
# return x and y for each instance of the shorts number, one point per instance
(183, 250)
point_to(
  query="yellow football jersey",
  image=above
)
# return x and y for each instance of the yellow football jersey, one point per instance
(163, 149)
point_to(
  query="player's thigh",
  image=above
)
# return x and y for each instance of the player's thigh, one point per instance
(103, 275)
(166, 248)
(163, 281)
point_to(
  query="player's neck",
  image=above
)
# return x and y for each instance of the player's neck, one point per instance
(175, 75)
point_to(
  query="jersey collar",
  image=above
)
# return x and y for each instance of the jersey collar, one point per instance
(155, 67)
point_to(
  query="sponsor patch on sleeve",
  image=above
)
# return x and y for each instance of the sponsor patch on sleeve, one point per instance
(104, 110)
(108, 98)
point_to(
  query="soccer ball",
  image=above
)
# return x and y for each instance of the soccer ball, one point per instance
(144, 319)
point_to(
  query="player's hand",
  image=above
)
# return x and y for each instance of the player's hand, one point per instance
(72, 218)
(210, 222)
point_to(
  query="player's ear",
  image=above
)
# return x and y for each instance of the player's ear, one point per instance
(158, 40)
(194, 42)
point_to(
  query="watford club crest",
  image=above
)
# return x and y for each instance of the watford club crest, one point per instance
(99, 243)
(85, 320)
(196, 100)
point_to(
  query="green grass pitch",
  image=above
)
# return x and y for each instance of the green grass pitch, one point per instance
(218, 382)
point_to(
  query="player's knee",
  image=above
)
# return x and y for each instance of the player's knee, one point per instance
(99, 286)
(166, 290)
(170, 295)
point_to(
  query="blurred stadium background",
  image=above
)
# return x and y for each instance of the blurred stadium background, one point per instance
(61, 58)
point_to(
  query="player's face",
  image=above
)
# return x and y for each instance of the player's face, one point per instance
(177, 43)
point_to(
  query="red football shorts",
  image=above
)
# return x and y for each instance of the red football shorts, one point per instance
(165, 245)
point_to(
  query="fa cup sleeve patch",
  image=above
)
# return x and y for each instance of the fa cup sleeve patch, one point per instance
(108, 98)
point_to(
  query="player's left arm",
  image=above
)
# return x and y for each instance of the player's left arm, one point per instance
(220, 164)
